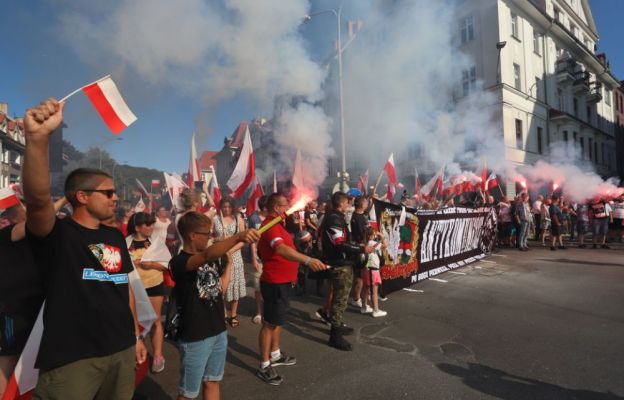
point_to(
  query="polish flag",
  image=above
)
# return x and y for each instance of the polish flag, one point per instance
(175, 186)
(141, 188)
(372, 218)
(155, 183)
(108, 102)
(8, 198)
(193, 171)
(418, 185)
(363, 183)
(390, 170)
(435, 185)
(297, 178)
(214, 189)
(491, 182)
(245, 169)
(140, 206)
(252, 202)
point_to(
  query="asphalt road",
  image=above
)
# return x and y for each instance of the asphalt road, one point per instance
(516, 325)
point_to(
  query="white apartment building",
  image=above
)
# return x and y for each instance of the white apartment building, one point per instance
(549, 83)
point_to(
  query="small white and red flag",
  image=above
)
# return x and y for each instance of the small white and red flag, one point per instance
(391, 190)
(8, 198)
(214, 189)
(491, 182)
(141, 188)
(390, 170)
(418, 185)
(155, 183)
(108, 102)
(140, 206)
(252, 202)
(245, 169)
(372, 218)
(363, 182)
(193, 170)
(175, 186)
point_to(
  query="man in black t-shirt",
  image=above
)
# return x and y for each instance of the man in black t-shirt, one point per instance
(200, 281)
(90, 339)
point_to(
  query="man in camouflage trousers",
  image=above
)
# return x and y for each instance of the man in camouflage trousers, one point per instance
(339, 253)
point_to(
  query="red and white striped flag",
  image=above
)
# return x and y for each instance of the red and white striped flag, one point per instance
(155, 183)
(372, 218)
(417, 186)
(175, 186)
(252, 202)
(140, 206)
(108, 102)
(214, 189)
(363, 183)
(193, 170)
(141, 188)
(8, 198)
(245, 169)
(491, 182)
(390, 170)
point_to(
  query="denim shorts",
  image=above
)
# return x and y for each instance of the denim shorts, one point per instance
(601, 226)
(200, 361)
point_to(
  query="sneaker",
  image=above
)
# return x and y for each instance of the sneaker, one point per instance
(604, 246)
(356, 303)
(366, 310)
(383, 298)
(269, 375)
(158, 364)
(322, 316)
(379, 313)
(284, 360)
(257, 319)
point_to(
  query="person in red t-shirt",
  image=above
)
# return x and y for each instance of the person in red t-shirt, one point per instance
(280, 261)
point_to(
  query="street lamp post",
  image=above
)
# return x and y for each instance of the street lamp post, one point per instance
(344, 176)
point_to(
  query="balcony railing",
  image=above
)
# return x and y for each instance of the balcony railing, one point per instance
(581, 83)
(595, 93)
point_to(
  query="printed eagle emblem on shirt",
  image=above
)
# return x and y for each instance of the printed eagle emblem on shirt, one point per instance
(108, 256)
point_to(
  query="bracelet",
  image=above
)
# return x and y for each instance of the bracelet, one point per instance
(139, 338)
(307, 261)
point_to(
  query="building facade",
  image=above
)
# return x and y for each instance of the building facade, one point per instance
(12, 148)
(618, 95)
(538, 58)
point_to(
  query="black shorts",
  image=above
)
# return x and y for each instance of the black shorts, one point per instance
(616, 225)
(276, 298)
(555, 229)
(156, 291)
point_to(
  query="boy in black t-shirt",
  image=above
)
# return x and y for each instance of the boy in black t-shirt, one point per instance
(200, 282)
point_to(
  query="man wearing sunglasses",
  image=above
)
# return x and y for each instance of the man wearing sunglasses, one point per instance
(91, 338)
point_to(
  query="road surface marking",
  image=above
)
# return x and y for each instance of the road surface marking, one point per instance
(438, 280)
(458, 273)
(414, 290)
(488, 262)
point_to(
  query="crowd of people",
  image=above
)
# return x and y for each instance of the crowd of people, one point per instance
(79, 252)
(554, 217)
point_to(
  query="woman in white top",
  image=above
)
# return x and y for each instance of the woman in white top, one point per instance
(161, 224)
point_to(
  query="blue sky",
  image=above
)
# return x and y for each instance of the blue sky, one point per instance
(38, 64)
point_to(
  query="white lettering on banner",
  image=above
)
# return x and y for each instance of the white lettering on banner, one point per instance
(448, 238)
(437, 271)
(89, 274)
(423, 275)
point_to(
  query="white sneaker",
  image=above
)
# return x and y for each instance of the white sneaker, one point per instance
(366, 310)
(379, 313)
(356, 303)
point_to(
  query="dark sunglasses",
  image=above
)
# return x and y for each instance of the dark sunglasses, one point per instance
(107, 192)
(203, 233)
